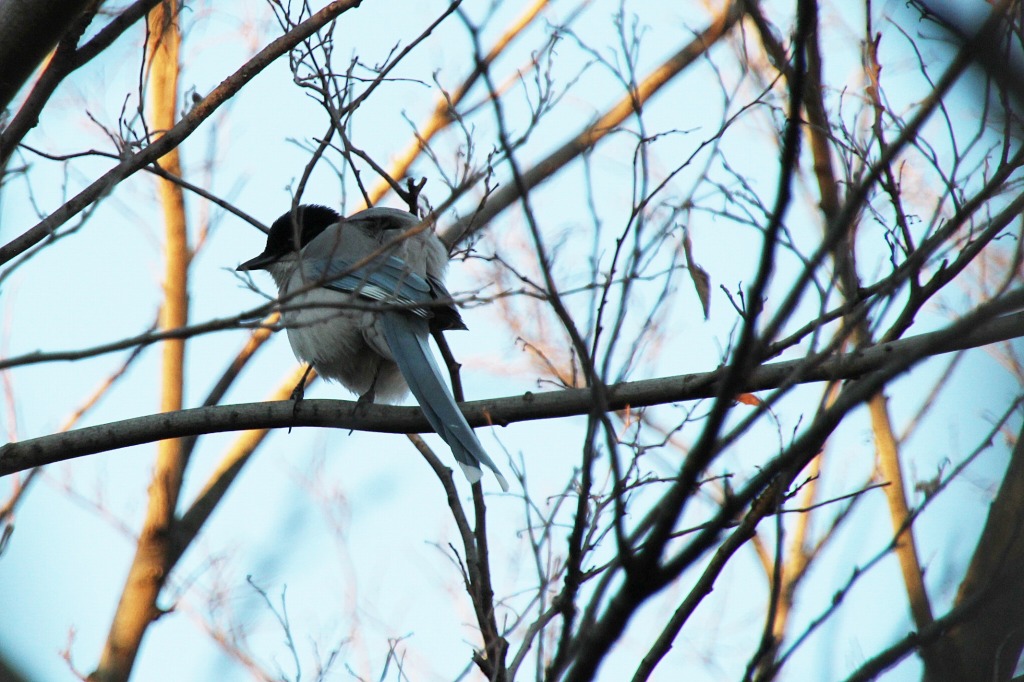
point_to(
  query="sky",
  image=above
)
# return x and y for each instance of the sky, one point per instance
(348, 532)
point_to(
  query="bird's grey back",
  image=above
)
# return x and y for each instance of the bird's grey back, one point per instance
(363, 233)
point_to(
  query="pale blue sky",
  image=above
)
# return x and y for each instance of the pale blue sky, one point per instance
(351, 524)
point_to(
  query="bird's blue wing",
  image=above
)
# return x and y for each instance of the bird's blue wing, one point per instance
(387, 279)
(384, 279)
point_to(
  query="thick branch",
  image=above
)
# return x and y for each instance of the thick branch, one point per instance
(342, 414)
(29, 29)
(137, 608)
(990, 644)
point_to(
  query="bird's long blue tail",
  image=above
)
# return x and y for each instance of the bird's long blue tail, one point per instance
(408, 337)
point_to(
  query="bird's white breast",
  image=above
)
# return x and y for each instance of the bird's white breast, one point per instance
(340, 336)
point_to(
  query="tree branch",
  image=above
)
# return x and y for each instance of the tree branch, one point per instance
(173, 137)
(343, 414)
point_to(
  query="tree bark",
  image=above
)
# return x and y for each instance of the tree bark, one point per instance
(990, 644)
(29, 30)
(137, 607)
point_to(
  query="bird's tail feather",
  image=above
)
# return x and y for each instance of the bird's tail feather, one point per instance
(408, 338)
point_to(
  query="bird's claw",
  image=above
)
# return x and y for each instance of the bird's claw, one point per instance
(298, 393)
(364, 401)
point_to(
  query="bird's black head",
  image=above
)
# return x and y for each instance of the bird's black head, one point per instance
(306, 223)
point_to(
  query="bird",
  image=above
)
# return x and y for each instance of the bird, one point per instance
(359, 298)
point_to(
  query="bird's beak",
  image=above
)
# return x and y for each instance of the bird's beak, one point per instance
(260, 262)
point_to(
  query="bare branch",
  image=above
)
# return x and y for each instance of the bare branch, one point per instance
(897, 356)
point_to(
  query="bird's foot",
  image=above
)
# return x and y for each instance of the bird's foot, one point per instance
(367, 397)
(299, 392)
(365, 400)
